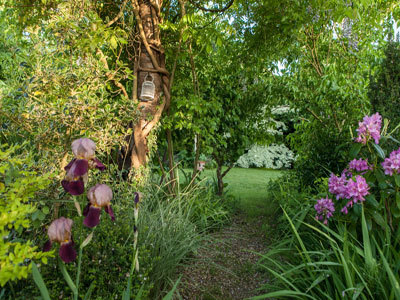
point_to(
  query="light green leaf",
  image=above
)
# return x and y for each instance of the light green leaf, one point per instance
(67, 278)
(113, 42)
(379, 150)
(87, 240)
(37, 277)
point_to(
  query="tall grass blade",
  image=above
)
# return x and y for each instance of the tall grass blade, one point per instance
(90, 290)
(37, 277)
(347, 273)
(277, 275)
(393, 280)
(284, 293)
(369, 260)
(172, 291)
(303, 247)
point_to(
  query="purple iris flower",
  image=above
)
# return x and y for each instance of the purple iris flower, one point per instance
(77, 170)
(99, 196)
(60, 232)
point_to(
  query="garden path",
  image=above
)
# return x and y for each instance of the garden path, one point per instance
(225, 267)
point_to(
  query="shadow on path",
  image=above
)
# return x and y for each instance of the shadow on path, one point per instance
(225, 266)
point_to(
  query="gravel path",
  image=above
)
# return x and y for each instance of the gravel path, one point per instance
(225, 267)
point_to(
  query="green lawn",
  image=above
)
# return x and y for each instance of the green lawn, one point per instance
(249, 187)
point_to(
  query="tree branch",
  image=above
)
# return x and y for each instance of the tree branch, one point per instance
(144, 40)
(110, 75)
(119, 15)
(227, 170)
(215, 10)
(315, 116)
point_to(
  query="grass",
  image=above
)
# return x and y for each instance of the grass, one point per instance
(249, 188)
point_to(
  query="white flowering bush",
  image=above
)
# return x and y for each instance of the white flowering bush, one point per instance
(275, 156)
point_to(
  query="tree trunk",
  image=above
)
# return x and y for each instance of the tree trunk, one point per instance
(220, 176)
(196, 155)
(171, 160)
(220, 182)
(150, 62)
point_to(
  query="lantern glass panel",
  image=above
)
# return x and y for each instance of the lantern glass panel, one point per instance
(148, 89)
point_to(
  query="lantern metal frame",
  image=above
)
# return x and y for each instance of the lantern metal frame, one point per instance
(148, 89)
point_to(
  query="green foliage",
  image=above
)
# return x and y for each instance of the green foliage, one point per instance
(319, 53)
(328, 91)
(384, 88)
(246, 190)
(332, 264)
(18, 189)
(54, 84)
(356, 255)
(224, 103)
(170, 229)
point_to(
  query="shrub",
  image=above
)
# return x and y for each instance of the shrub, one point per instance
(271, 157)
(355, 254)
(170, 229)
(18, 188)
(384, 88)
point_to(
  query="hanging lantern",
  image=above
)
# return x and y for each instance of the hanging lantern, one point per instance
(148, 89)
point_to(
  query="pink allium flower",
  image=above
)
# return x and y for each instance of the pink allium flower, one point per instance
(60, 232)
(370, 127)
(325, 209)
(99, 196)
(359, 165)
(392, 163)
(337, 185)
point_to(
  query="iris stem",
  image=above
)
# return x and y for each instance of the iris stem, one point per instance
(78, 273)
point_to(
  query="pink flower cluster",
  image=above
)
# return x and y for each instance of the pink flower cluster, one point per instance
(325, 209)
(370, 127)
(392, 163)
(337, 186)
(353, 189)
(359, 165)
